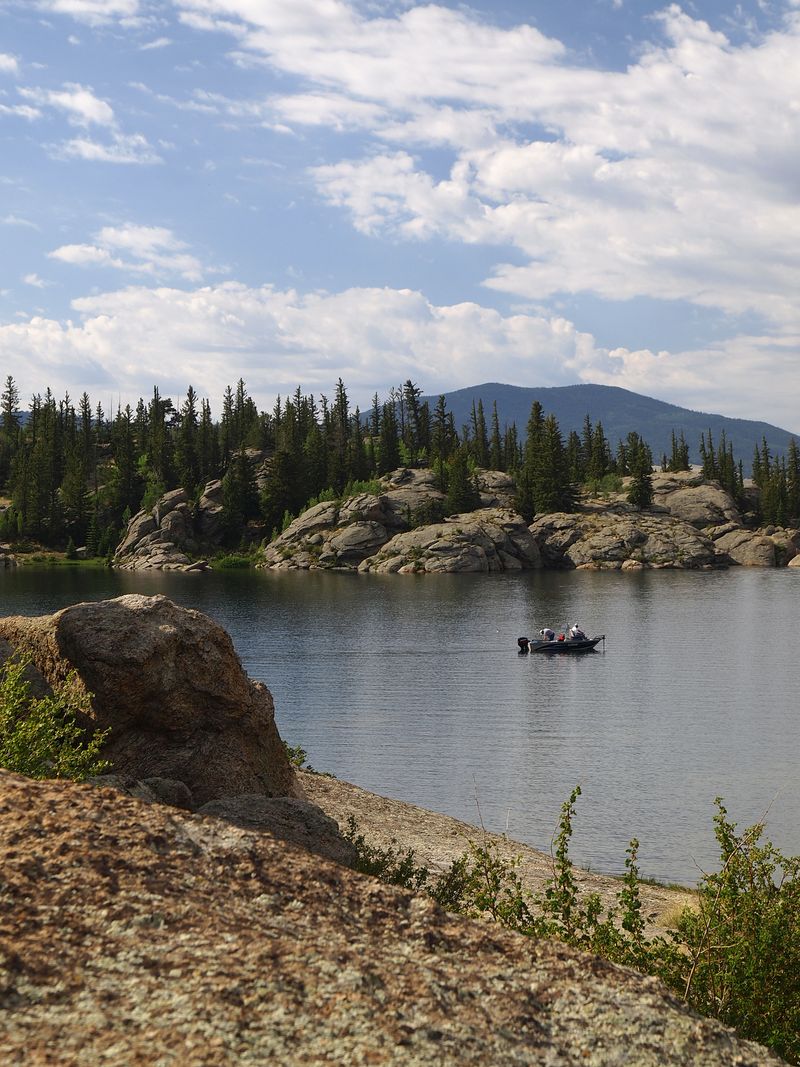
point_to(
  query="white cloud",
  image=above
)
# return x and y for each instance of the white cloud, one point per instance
(151, 250)
(122, 148)
(22, 111)
(136, 337)
(78, 102)
(34, 280)
(675, 178)
(84, 109)
(8, 64)
(92, 11)
(16, 220)
(159, 42)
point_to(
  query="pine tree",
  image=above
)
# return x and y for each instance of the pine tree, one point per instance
(462, 490)
(525, 500)
(640, 490)
(793, 483)
(187, 459)
(240, 501)
(388, 445)
(552, 489)
(496, 458)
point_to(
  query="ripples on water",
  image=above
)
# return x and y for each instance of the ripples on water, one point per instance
(413, 687)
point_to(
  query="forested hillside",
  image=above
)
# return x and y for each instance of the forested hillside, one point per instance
(73, 474)
(620, 411)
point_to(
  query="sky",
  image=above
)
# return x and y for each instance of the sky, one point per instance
(293, 191)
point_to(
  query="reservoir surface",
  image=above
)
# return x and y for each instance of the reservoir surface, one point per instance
(413, 687)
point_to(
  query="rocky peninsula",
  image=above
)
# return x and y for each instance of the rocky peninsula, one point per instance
(201, 911)
(691, 524)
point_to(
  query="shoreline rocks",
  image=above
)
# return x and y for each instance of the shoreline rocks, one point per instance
(692, 524)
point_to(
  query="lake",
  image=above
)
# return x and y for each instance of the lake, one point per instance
(413, 687)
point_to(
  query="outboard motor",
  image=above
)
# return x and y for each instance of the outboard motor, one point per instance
(523, 643)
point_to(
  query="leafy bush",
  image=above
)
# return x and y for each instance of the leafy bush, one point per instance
(232, 561)
(391, 864)
(742, 944)
(736, 956)
(40, 737)
(296, 755)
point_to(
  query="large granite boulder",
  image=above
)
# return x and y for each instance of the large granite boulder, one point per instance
(165, 537)
(769, 547)
(168, 684)
(620, 538)
(288, 818)
(489, 540)
(688, 496)
(135, 934)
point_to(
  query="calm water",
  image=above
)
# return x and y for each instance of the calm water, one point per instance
(412, 687)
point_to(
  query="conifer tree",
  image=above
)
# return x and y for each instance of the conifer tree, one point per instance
(526, 476)
(388, 446)
(496, 458)
(187, 459)
(462, 488)
(640, 490)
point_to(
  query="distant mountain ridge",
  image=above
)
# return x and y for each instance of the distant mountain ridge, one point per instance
(620, 411)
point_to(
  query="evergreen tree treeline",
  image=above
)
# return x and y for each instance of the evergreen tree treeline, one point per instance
(75, 474)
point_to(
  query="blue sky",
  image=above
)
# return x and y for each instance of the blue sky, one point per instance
(293, 190)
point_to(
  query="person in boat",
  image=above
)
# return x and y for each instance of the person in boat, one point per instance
(547, 634)
(576, 633)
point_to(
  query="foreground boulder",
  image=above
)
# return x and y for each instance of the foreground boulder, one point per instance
(168, 684)
(135, 934)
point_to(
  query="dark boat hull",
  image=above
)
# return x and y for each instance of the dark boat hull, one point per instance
(581, 644)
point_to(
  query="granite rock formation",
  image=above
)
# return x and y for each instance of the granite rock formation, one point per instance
(688, 496)
(388, 532)
(168, 683)
(768, 547)
(621, 538)
(483, 541)
(161, 538)
(289, 819)
(136, 934)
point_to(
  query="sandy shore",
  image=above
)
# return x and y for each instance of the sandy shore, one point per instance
(438, 839)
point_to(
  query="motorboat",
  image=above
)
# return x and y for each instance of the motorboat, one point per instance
(560, 644)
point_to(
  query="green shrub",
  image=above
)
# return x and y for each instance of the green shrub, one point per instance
(40, 737)
(232, 561)
(296, 755)
(605, 486)
(391, 865)
(736, 956)
(741, 962)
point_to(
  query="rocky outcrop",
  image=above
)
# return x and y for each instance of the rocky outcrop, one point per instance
(688, 496)
(391, 531)
(168, 684)
(161, 538)
(769, 547)
(621, 539)
(484, 541)
(135, 934)
(289, 819)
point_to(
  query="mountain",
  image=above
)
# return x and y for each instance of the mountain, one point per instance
(620, 411)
